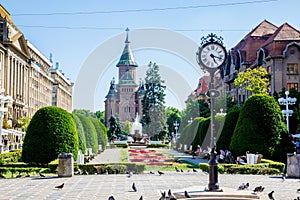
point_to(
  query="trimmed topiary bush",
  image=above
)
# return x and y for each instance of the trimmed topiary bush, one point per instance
(231, 119)
(81, 136)
(51, 131)
(259, 128)
(89, 132)
(101, 133)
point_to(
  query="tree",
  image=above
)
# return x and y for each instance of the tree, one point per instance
(85, 112)
(23, 123)
(255, 80)
(89, 132)
(101, 116)
(114, 131)
(153, 112)
(260, 128)
(173, 115)
(80, 131)
(51, 131)
(195, 108)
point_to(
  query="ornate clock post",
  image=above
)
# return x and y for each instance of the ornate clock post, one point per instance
(212, 55)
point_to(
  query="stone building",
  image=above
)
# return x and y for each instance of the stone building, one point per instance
(124, 98)
(27, 75)
(277, 49)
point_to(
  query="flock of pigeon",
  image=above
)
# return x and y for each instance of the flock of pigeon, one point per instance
(170, 196)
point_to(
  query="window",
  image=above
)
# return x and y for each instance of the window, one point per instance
(292, 85)
(292, 69)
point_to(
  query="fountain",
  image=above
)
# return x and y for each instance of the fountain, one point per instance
(136, 130)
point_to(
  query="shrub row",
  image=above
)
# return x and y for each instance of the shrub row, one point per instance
(112, 168)
(19, 170)
(262, 168)
(9, 157)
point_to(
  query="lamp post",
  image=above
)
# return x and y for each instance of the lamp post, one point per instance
(212, 56)
(287, 101)
(3, 99)
(176, 125)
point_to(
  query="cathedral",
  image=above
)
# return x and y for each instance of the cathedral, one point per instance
(124, 99)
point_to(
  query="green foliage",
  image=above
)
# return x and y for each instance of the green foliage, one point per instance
(153, 117)
(231, 119)
(157, 145)
(255, 80)
(85, 112)
(189, 132)
(125, 145)
(195, 108)
(10, 157)
(101, 116)
(201, 132)
(80, 131)
(23, 123)
(101, 135)
(259, 127)
(89, 132)
(173, 115)
(51, 131)
(114, 131)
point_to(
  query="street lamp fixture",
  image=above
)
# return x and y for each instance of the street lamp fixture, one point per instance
(3, 99)
(176, 125)
(287, 113)
(190, 120)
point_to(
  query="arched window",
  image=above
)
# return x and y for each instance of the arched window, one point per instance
(261, 55)
(238, 61)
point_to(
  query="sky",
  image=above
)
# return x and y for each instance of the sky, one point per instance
(87, 38)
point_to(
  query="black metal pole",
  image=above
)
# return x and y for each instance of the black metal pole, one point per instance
(213, 163)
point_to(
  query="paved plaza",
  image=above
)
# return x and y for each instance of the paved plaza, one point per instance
(148, 185)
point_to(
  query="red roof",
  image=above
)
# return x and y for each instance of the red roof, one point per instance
(249, 45)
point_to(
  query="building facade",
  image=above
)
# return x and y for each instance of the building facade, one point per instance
(124, 98)
(27, 75)
(277, 49)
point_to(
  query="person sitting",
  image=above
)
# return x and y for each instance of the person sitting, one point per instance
(241, 160)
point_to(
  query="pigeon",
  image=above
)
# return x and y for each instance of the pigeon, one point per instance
(298, 190)
(270, 195)
(160, 173)
(170, 195)
(130, 174)
(60, 186)
(243, 186)
(194, 170)
(186, 194)
(181, 170)
(258, 189)
(176, 168)
(42, 175)
(163, 196)
(151, 172)
(283, 177)
(111, 198)
(18, 176)
(141, 198)
(134, 187)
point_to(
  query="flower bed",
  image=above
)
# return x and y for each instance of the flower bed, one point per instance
(149, 157)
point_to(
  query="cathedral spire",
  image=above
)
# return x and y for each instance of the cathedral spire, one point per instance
(127, 56)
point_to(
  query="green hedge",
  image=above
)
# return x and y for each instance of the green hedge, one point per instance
(262, 168)
(10, 157)
(157, 145)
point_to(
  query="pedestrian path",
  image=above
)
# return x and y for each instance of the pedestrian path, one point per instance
(148, 185)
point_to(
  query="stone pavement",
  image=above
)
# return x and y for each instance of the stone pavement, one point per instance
(148, 185)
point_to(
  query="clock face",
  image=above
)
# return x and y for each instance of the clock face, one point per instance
(212, 55)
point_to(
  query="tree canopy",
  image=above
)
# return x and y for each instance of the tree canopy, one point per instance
(153, 113)
(255, 80)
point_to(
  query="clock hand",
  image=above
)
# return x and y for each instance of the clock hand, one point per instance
(213, 57)
(219, 57)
